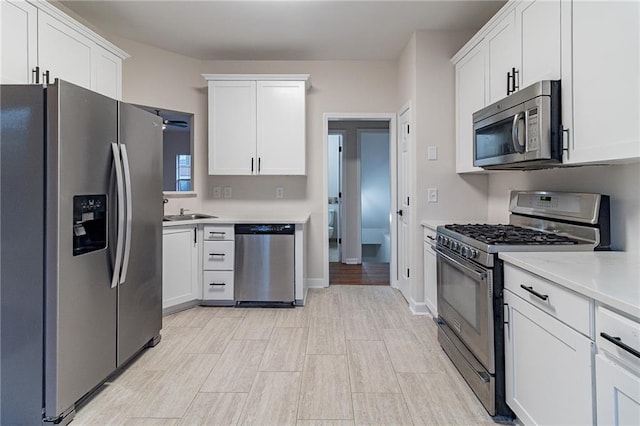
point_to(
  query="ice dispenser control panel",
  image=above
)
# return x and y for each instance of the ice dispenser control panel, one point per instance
(89, 223)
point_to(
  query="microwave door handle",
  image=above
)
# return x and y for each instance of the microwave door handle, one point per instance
(515, 134)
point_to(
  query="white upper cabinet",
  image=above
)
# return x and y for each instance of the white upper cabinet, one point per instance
(281, 127)
(538, 29)
(501, 46)
(470, 97)
(232, 127)
(601, 82)
(257, 126)
(19, 35)
(38, 38)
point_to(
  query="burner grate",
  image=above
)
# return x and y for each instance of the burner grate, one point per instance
(510, 234)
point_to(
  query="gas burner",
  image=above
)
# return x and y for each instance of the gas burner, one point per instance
(510, 235)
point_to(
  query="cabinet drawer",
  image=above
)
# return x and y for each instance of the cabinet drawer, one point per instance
(218, 255)
(218, 232)
(217, 285)
(429, 235)
(616, 326)
(569, 307)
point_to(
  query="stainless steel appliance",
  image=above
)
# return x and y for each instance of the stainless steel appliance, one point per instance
(470, 278)
(521, 131)
(264, 265)
(81, 245)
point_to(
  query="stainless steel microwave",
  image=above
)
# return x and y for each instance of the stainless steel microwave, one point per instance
(521, 131)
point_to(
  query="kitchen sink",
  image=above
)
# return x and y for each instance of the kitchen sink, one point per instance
(190, 216)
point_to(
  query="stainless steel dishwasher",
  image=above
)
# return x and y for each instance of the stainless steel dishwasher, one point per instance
(264, 265)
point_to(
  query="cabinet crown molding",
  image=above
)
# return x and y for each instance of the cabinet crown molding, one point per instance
(261, 77)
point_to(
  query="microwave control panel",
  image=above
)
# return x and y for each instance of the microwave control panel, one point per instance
(533, 139)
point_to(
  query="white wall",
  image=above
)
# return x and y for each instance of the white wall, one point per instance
(620, 182)
(426, 79)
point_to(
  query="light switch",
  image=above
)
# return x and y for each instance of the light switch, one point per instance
(432, 195)
(227, 192)
(432, 153)
(279, 192)
(217, 192)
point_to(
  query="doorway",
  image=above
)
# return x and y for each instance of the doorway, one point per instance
(360, 186)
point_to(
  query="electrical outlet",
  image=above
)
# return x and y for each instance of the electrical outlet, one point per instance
(279, 192)
(217, 192)
(227, 192)
(432, 195)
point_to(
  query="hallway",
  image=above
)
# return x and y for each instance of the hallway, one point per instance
(368, 273)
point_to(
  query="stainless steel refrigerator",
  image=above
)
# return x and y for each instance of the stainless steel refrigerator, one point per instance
(81, 245)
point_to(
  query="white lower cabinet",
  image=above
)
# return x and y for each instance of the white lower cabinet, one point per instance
(179, 266)
(548, 365)
(617, 368)
(430, 272)
(218, 253)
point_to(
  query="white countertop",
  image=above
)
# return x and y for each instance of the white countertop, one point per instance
(609, 277)
(254, 218)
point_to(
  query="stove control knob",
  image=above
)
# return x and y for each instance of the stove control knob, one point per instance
(473, 253)
(455, 245)
(465, 252)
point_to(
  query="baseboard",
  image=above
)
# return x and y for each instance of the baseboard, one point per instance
(432, 309)
(180, 307)
(316, 283)
(418, 308)
(351, 261)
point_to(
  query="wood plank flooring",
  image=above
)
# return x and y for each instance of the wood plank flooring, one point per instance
(368, 273)
(352, 355)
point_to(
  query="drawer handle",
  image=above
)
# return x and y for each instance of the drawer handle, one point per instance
(217, 284)
(618, 342)
(217, 254)
(535, 293)
(217, 233)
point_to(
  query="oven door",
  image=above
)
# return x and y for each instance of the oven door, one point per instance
(465, 292)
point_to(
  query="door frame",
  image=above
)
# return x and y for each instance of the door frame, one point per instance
(392, 119)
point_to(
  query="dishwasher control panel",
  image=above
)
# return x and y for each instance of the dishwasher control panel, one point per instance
(257, 228)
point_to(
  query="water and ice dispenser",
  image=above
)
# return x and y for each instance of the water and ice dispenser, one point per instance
(89, 223)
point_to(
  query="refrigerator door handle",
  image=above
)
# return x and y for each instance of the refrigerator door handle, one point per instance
(129, 210)
(120, 188)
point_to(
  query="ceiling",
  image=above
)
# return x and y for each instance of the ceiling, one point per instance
(281, 30)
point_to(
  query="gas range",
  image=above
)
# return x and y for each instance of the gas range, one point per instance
(539, 221)
(470, 278)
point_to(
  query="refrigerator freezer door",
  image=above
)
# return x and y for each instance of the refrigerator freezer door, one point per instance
(140, 291)
(22, 230)
(80, 303)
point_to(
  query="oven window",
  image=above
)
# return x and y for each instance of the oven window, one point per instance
(494, 140)
(462, 293)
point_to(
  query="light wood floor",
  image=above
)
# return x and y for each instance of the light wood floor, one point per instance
(353, 355)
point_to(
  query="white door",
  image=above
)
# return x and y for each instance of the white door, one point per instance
(618, 393)
(64, 52)
(179, 266)
(281, 127)
(18, 40)
(404, 202)
(232, 128)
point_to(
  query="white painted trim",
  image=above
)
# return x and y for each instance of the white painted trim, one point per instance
(352, 261)
(317, 283)
(418, 308)
(392, 118)
(263, 77)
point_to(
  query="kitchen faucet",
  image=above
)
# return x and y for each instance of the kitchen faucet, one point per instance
(182, 210)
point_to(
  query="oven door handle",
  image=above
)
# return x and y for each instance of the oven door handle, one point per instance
(478, 275)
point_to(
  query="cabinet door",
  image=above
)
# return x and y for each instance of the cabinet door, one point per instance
(232, 128)
(281, 128)
(618, 393)
(605, 82)
(179, 266)
(502, 56)
(19, 35)
(470, 97)
(430, 279)
(538, 26)
(64, 52)
(107, 73)
(547, 367)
